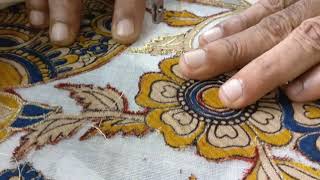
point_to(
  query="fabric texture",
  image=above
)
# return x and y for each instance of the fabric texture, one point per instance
(101, 110)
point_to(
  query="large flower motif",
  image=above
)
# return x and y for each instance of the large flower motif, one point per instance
(307, 121)
(189, 112)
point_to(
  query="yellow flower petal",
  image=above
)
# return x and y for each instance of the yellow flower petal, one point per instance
(280, 138)
(228, 136)
(12, 74)
(307, 114)
(312, 112)
(294, 170)
(288, 170)
(207, 150)
(170, 68)
(267, 120)
(174, 126)
(10, 107)
(157, 91)
(4, 134)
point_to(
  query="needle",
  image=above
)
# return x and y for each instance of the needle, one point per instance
(157, 11)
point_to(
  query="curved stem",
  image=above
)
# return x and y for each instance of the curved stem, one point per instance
(105, 114)
(267, 163)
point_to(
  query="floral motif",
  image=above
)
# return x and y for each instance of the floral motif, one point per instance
(27, 56)
(268, 167)
(23, 172)
(307, 121)
(181, 18)
(105, 107)
(177, 44)
(189, 112)
(16, 114)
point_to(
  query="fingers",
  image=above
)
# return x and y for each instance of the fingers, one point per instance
(246, 19)
(64, 20)
(127, 20)
(306, 87)
(296, 54)
(38, 13)
(237, 50)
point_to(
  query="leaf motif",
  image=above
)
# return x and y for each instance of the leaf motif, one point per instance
(96, 98)
(267, 167)
(32, 114)
(235, 4)
(109, 128)
(162, 45)
(51, 131)
(297, 170)
(181, 18)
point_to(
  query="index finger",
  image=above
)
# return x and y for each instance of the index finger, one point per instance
(296, 54)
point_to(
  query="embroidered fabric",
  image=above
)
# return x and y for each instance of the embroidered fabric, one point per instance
(123, 99)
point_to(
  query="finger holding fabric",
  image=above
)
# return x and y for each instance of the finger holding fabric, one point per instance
(128, 20)
(250, 17)
(275, 67)
(237, 50)
(259, 43)
(63, 17)
(306, 87)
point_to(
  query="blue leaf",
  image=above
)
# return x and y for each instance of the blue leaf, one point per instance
(27, 173)
(35, 110)
(31, 114)
(23, 122)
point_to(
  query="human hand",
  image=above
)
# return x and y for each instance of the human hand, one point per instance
(63, 19)
(274, 42)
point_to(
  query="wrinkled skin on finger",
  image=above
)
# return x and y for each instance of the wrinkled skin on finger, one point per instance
(273, 42)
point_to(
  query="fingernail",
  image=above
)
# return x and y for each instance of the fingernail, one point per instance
(296, 88)
(195, 58)
(59, 32)
(37, 18)
(231, 91)
(125, 27)
(212, 34)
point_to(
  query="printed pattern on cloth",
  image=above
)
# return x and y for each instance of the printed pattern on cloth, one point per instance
(105, 107)
(23, 172)
(27, 57)
(186, 112)
(189, 112)
(17, 115)
(307, 122)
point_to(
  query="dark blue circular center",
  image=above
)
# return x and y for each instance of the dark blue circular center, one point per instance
(190, 97)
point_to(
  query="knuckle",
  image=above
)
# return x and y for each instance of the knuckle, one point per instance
(273, 5)
(308, 35)
(276, 27)
(236, 49)
(235, 23)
